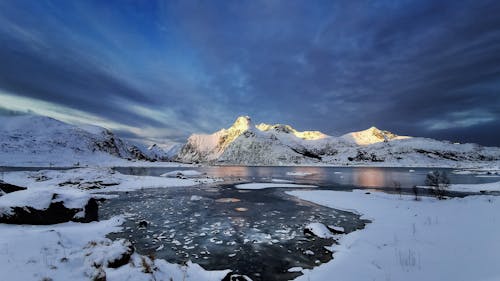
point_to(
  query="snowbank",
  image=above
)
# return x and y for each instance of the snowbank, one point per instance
(41, 199)
(482, 187)
(93, 179)
(258, 185)
(281, 181)
(455, 239)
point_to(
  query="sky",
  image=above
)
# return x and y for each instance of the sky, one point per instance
(161, 70)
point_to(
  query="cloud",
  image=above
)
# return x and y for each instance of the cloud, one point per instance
(176, 67)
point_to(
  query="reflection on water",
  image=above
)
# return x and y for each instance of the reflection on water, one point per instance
(334, 177)
(370, 177)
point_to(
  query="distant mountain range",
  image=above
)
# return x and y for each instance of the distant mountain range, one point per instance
(37, 140)
(264, 144)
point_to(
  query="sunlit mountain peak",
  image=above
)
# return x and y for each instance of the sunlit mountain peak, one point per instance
(305, 135)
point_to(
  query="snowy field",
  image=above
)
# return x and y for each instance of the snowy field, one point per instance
(76, 251)
(80, 251)
(453, 239)
(429, 239)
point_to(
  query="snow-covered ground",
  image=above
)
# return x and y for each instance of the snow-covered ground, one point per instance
(77, 251)
(80, 251)
(430, 239)
(94, 179)
(482, 187)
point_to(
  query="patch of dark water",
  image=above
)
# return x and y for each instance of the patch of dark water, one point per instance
(258, 233)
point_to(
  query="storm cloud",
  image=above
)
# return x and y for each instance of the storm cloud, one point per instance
(167, 69)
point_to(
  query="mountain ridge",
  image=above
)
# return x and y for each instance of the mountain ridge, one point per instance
(278, 144)
(41, 139)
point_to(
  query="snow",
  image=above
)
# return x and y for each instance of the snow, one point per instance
(84, 178)
(263, 185)
(76, 251)
(186, 173)
(70, 251)
(454, 239)
(295, 269)
(371, 136)
(40, 199)
(281, 181)
(281, 145)
(299, 174)
(337, 228)
(319, 229)
(39, 141)
(494, 186)
(195, 198)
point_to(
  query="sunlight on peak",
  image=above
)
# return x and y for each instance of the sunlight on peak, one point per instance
(305, 135)
(242, 123)
(373, 135)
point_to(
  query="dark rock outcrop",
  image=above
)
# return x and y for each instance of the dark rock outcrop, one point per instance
(8, 188)
(231, 276)
(55, 213)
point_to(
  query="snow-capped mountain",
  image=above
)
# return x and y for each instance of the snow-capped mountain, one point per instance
(279, 144)
(163, 152)
(33, 139)
(371, 135)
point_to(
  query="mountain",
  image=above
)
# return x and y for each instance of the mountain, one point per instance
(163, 152)
(264, 144)
(371, 136)
(33, 139)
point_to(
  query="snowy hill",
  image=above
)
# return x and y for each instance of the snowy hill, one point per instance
(39, 140)
(278, 144)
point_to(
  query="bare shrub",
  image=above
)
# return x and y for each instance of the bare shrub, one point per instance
(439, 182)
(415, 192)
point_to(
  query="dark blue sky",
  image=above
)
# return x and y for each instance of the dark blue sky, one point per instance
(167, 69)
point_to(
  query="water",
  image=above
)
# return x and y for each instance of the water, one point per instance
(258, 233)
(335, 178)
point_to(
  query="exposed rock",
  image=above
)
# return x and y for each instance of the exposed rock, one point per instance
(57, 212)
(89, 184)
(143, 224)
(8, 188)
(231, 276)
(124, 257)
